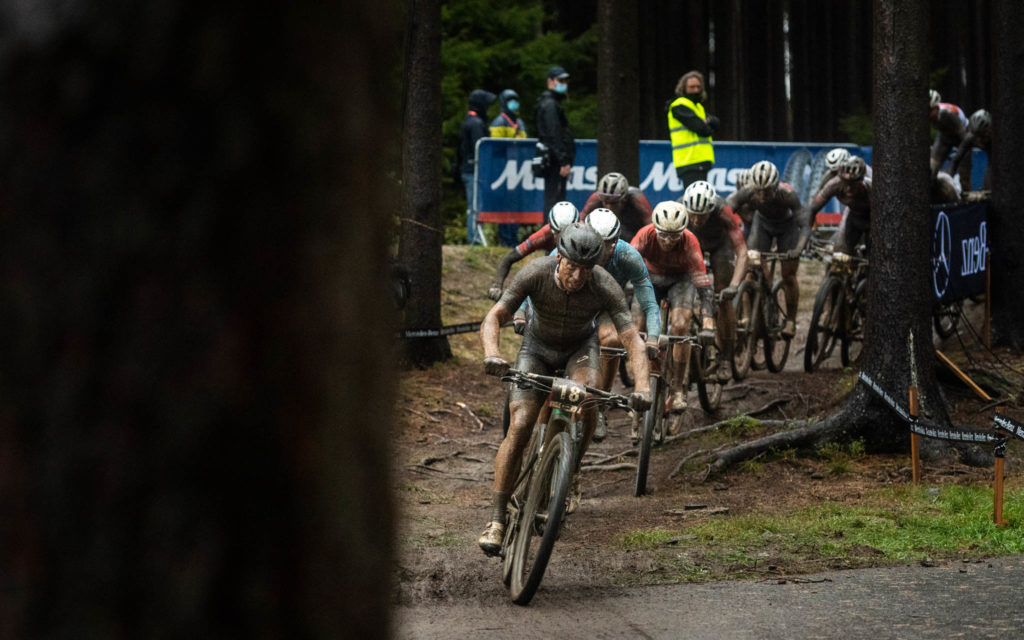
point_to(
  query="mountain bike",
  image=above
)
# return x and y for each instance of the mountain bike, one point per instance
(536, 507)
(760, 305)
(838, 314)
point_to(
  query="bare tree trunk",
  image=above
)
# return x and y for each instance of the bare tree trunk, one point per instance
(196, 406)
(422, 235)
(617, 86)
(1007, 232)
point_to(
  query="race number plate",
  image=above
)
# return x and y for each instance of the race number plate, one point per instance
(567, 395)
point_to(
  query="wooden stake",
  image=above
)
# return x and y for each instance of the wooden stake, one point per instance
(915, 445)
(963, 376)
(997, 494)
(988, 303)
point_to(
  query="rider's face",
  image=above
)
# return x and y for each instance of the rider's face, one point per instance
(609, 249)
(669, 240)
(698, 221)
(572, 276)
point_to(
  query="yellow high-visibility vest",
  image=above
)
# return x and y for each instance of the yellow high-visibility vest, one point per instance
(687, 147)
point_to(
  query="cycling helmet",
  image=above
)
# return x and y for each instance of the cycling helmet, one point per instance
(764, 174)
(933, 98)
(742, 178)
(981, 122)
(581, 244)
(853, 169)
(670, 216)
(605, 223)
(562, 214)
(613, 184)
(836, 157)
(699, 198)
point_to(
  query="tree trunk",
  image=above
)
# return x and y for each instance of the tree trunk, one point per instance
(422, 235)
(196, 397)
(1007, 232)
(617, 86)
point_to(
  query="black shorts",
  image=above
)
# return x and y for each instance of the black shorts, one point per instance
(763, 232)
(538, 357)
(678, 290)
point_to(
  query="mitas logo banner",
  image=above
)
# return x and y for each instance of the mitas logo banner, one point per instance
(959, 250)
(507, 191)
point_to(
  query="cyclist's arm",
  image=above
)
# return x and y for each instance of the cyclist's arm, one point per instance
(633, 267)
(962, 149)
(802, 216)
(699, 275)
(504, 266)
(637, 354)
(826, 193)
(593, 202)
(490, 329)
(739, 245)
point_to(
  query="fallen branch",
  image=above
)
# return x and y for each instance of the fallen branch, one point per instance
(479, 422)
(679, 466)
(810, 433)
(622, 466)
(606, 459)
(422, 414)
(771, 405)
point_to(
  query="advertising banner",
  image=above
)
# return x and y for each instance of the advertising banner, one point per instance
(507, 191)
(959, 249)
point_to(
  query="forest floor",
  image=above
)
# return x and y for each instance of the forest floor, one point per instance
(448, 427)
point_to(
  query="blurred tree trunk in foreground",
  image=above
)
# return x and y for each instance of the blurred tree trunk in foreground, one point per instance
(420, 244)
(196, 389)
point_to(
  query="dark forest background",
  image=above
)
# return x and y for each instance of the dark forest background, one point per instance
(745, 48)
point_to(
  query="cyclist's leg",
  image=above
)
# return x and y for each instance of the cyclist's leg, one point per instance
(608, 337)
(722, 266)
(787, 240)
(682, 297)
(760, 238)
(582, 367)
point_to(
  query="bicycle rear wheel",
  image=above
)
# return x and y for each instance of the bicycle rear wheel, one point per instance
(824, 327)
(853, 332)
(541, 518)
(746, 339)
(776, 346)
(651, 419)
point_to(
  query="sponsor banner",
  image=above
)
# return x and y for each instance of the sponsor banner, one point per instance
(959, 249)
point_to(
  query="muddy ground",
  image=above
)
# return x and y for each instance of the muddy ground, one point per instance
(448, 428)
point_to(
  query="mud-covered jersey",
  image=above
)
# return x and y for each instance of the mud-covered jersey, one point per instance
(683, 259)
(562, 318)
(780, 205)
(950, 122)
(856, 195)
(542, 239)
(723, 226)
(633, 210)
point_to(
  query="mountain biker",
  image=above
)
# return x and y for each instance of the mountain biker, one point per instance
(746, 212)
(568, 291)
(628, 203)
(951, 123)
(676, 264)
(720, 233)
(779, 218)
(544, 239)
(852, 187)
(979, 134)
(625, 265)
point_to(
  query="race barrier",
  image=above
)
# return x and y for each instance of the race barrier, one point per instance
(1002, 426)
(507, 191)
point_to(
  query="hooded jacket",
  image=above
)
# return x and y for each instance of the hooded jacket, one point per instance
(508, 124)
(473, 128)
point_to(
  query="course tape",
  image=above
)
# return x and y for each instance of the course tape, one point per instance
(1009, 425)
(885, 397)
(465, 327)
(959, 435)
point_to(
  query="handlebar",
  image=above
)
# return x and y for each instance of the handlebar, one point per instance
(527, 380)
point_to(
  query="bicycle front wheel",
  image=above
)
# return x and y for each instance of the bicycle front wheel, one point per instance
(541, 518)
(651, 419)
(746, 339)
(776, 345)
(704, 363)
(853, 332)
(824, 327)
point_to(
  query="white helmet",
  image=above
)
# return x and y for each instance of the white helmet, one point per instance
(981, 121)
(764, 174)
(613, 184)
(836, 157)
(742, 178)
(562, 214)
(670, 216)
(933, 98)
(699, 198)
(605, 223)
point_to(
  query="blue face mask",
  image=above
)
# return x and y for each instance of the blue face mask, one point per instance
(513, 105)
(561, 87)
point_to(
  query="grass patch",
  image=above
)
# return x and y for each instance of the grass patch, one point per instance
(423, 494)
(894, 525)
(839, 458)
(739, 425)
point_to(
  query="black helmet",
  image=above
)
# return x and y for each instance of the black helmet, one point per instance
(581, 244)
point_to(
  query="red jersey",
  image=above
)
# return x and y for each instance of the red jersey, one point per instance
(685, 258)
(542, 239)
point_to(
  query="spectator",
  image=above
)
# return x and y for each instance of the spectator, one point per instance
(473, 128)
(690, 129)
(508, 124)
(553, 131)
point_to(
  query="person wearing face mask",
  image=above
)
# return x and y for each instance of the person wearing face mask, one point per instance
(508, 124)
(690, 129)
(553, 131)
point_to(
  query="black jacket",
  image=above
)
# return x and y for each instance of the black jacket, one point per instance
(553, 128)
(474, 127)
